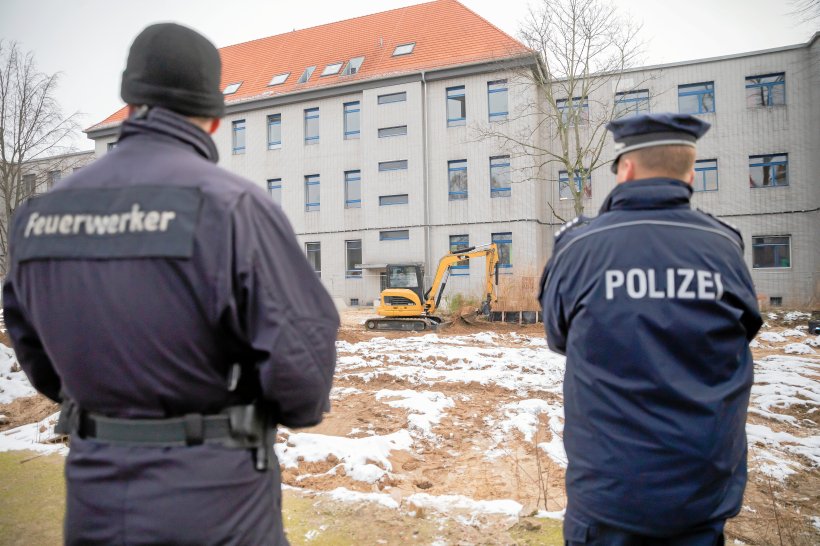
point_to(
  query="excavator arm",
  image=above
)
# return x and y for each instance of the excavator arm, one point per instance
(490, 253)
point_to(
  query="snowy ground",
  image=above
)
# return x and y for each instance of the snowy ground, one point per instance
(469, 426)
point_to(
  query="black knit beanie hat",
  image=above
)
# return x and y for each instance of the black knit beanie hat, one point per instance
(175, 67)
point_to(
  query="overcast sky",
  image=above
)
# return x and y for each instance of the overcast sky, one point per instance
(87, 40)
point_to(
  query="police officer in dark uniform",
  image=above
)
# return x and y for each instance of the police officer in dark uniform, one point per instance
(168, 305)
(654, 307)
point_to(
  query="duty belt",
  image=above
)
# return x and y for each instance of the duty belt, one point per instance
(239, 427)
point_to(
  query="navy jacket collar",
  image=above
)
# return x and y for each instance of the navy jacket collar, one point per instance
(648, 193)
(159, 121)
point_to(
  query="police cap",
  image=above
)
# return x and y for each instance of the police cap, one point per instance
(648, 130)
(174, 67)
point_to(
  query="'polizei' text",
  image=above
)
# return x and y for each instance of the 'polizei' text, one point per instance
(680, 283)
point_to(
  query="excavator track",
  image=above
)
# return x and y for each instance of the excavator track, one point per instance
(403, 324)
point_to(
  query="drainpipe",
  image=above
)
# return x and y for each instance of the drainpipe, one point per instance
(426, 175)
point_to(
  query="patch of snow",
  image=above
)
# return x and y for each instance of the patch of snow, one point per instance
(543, 514)
(772, 316)
(754, 344)
(775, 445)
(798, 349)
(523, 416)
(364, 459)
(791, 316)
(426, 408)
(346, 495)
(782, 382)
(771, 337)
(13, 384)
(815, 520)
(38, 437)
(337, 393)
(431, 359)
(813, 342)
(792, 333)
(452, 503)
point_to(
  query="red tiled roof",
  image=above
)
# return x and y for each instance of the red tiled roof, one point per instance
(446, 33)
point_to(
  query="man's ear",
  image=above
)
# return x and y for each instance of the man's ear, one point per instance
(215, 125)
(691, 178)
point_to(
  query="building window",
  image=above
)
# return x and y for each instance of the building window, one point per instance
(351, 120)
(231, 88)
(399, 130)
(500, 176)
(706, 175)
(314, 256)
(582, 185)
(573, 112)
(497, 100)
(696, 98)
(312, 126)
(386, 200)
(238, 127)
(353, 251)
(456, 106)
(404, 49)
(312, 193)
(776, 301)
(504, 243)
(353, 189)
(111, 146)
(392, 97)
(354, 302)
(274, 131)
(53, 178)
(459, 242)
(306, 74)
(631, 103)
(331, 69)
(275, 190)
(394, 235)
(457, 173)
(29, 184)
(279, 79)
(353, 66)
(766, 171)
(766, 90)
(400, 165)
(771, 251)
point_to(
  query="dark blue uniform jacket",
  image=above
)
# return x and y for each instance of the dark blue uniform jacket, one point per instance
(654, 307)
(135, 284)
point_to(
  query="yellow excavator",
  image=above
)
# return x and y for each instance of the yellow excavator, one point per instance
(405, 305)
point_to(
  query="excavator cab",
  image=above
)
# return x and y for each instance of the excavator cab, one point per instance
(409, 276)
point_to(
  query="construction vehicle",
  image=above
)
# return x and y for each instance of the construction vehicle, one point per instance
(405, 305)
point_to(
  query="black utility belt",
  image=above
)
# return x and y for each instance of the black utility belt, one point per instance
(188, 430)
(240, 426)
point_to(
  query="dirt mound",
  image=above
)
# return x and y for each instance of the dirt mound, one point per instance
(28, 409)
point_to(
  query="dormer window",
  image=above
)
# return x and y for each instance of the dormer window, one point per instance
(231, 88)
(353, 66)
(306, 74)
(331, 69)
(279, 79)
(404, 49)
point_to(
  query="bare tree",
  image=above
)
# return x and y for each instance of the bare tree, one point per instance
(32, 127)
(581, 49)
(807, 11)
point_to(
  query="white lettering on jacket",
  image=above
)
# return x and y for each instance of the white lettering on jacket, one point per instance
(678, 283)
(133, 221)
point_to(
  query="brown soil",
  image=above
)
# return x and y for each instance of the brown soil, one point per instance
(28, 409)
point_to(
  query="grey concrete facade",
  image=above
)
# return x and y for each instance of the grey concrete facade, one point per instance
(431, 217)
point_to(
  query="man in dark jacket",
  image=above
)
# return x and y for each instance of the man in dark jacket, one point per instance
(654, 307)
(168, 305)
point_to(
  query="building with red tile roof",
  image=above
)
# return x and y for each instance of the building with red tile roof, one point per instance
(438, 35)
